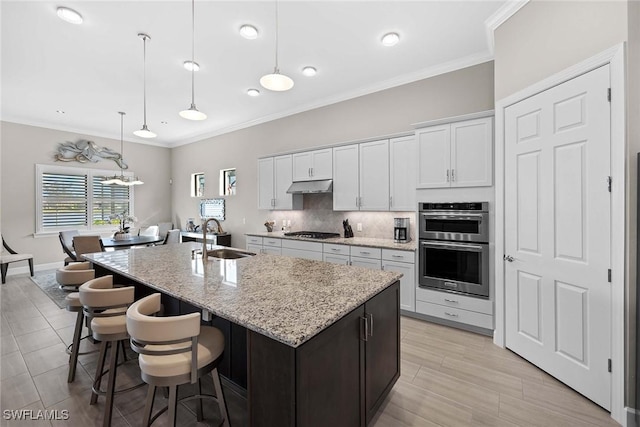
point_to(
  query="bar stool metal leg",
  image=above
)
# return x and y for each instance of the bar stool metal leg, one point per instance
(148, 406)
(75, 347)
(199, 414)
(222, 403)
(173, 402)
(111, 385)
(97, 379)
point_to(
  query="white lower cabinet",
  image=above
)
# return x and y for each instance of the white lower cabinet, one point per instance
(302, 249)
(256, 249)
(374, 264)
(402, 262)
(457, 308)
(335, 259)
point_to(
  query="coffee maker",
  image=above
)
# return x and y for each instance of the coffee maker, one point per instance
(401, 233)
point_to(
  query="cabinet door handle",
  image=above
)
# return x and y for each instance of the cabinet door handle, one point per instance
(364, 253)
(397, 256)
(451, 300)
(370, 324)
(447, 175)
(450, 314)
(364, 329)
(335, 249)
(453, 175)
(356, 201)
(390, 201)
(311, 171)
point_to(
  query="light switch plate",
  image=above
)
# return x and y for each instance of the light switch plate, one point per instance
(359, 226)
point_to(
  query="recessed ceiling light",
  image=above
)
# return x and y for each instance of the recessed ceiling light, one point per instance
(190, 65)
(69, 15)
(249, 32)
(390, 39)
(253, 92)
(164, 123)
(309, 71)
(59, 111)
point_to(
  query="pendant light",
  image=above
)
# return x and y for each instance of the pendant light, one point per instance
(144, 132)
(122, 180)
(276, 81)
(192, 112)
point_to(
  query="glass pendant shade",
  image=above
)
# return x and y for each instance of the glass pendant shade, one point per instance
(276, 82)
(192, 113)
(124, 180)
(144, 132)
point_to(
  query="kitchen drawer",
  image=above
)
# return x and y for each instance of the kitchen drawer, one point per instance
(256, 249)
(455, 301)
(364, 252)
(329, 248)
(455, 315)
(373, 264)
(299, 253)
(254, 240)
(399, 256)
(271, 250)
(336, 259)
(302, 245)
(270, 241)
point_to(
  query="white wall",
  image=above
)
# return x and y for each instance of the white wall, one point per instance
(387, 112)
(25, 146)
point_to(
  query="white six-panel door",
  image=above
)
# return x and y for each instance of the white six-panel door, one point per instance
(557, 232)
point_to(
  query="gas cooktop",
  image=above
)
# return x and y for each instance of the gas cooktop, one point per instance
(312, 234)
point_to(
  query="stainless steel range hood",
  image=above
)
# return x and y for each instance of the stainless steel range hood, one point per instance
(307, 187)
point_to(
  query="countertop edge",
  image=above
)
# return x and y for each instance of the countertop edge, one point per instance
(410, 246)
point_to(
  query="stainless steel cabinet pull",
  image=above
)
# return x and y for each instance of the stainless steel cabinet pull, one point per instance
(357, 201)
(508, 258)
(311, 171)
(450, 314)
(397, 256)
(335, 249)
(451, 300)
(365, 253)
(453, 175)
(390, 201)
(365, 327)
(370, 324)
(447, 175)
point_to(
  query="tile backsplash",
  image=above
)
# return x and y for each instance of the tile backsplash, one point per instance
(318, 215)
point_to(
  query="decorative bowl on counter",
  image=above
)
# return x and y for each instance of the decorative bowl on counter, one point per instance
(122, 236)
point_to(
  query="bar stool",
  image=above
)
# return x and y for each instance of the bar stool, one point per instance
(74, 274)
(173, 351)
(105, 307)
(73, 304)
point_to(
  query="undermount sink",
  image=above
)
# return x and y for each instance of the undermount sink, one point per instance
(228, 254)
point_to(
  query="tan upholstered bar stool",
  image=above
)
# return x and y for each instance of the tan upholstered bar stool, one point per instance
(74, 274)
(105, 306)
(173, 351)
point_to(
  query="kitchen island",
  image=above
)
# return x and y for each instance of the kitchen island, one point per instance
(321, 340)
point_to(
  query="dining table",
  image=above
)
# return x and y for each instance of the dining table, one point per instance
(110, 242)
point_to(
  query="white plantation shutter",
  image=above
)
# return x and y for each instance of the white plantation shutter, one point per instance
(75, 198)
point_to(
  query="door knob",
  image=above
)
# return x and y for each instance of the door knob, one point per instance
(508, 258)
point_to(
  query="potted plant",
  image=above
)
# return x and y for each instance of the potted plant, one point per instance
(122, 219)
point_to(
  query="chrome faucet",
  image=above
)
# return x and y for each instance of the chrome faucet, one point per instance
(204, 235)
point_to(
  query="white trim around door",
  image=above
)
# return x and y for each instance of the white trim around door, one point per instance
(615, 57)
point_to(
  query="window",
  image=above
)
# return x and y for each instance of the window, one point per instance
(227, 182)
(74, 198)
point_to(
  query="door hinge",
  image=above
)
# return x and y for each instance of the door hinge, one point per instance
(609, 365)
(609, 275)
(609, 180)
(609, 94)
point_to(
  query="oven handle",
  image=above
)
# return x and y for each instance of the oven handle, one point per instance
(452, 246)
(454, 216)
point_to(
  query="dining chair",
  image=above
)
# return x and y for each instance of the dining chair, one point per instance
(152, 230)
(87, 245)
(163, 228)
(175, 350)
(66, 240)
(10, 256)
(173, 236)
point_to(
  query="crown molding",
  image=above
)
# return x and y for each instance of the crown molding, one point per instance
(447, 67)
(505, 12)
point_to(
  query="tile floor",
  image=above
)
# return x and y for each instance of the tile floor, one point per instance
(449, 377)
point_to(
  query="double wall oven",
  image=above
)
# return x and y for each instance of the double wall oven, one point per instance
(454, 247)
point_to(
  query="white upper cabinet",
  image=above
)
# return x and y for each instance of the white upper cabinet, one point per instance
(345, 178)
(456, 155)
(361, 177)
(274, 179)
(374, 176)
(403, 168)
(312, 165)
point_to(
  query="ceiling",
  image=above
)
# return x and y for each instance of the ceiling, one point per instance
(93, 70)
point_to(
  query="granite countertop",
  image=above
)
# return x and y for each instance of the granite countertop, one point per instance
(352, 241)
(287, 299)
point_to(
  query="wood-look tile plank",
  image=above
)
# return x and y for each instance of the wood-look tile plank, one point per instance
(394, 416)
(480, 418)
(566, 401)
(62, 319)
(4, 326)
(434, 344)
(37, 340)
(46, 359)
(482, 376)
(8, 344)
(28, 325)
(18, 391)
(83, 414)
(408, 369)
(514, 367)
(419, 356)
(54, 388)
(36, 408)
(12, 364)
(464, 392)
(528, 414)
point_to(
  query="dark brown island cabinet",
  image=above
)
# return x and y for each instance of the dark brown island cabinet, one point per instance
(338, 378)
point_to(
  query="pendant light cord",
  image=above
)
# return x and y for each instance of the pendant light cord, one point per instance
(121, 141)
(277, 71)
(193, 51)
(144, 67)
